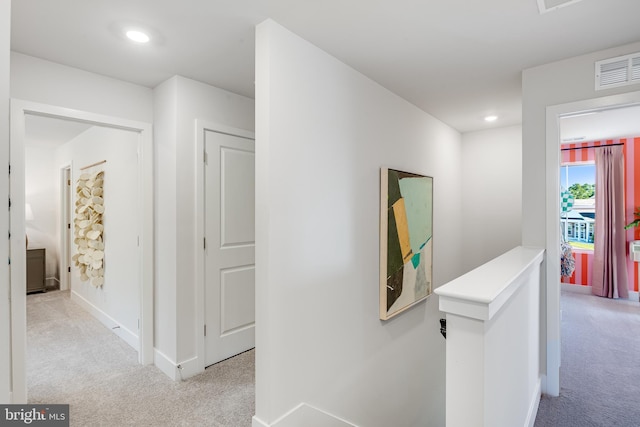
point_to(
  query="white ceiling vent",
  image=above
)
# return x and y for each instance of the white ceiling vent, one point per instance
(550, 5)
(620, 71)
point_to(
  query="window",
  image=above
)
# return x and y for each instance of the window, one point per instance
(578, 220)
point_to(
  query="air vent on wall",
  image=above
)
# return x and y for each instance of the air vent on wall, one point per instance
(550, 5)
(620, 71)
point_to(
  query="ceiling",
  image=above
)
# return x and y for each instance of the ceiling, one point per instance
(458, 60)
(599, 125)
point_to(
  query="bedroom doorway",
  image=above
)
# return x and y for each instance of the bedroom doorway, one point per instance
(552, 277)
(20, 110)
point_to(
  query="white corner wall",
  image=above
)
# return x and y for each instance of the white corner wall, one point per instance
(46, 82)
(178, 103)
(117, 302)
(5, 312)
(323, 132)
(559, 83)
(491, 194)
(41, 192)
(164, 178)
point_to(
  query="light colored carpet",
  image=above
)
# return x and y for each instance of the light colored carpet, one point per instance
(600, 372)
(73, 359)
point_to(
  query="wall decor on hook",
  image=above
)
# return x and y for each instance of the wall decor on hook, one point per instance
(88, 226)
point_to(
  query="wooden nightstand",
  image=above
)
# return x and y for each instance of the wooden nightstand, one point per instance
(35, 270)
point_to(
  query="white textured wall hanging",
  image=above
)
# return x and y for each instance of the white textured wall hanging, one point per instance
(89, 228)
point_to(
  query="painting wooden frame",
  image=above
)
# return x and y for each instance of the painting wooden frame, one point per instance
(406, 240)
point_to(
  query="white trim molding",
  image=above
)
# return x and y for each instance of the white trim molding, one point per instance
(117, 328)
(307, 416)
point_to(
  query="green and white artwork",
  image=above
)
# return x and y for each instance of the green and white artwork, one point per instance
(406, 231)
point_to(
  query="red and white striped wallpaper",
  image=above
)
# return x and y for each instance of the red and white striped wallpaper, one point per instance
(582, 274)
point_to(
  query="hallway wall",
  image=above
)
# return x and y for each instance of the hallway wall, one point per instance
(117, 302)
(37, 80)
(491, 194)
(323, 132)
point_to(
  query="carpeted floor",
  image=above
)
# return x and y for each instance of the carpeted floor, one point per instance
(600, 372)
(74, 359)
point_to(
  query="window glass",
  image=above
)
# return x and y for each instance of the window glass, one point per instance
(578, 220)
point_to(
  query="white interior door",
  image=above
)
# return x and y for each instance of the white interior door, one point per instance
(229, 205)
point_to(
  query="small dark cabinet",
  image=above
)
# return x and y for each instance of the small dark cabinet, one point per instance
(35, 270)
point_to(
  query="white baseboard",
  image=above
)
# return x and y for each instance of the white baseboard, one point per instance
(257, 422)
(120, 330)
(304, 415)
(189, 368)
(581, 289)
(578, 289)
(166, 365)
(176, 371)
(534, 405)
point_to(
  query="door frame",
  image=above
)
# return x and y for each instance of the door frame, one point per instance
(551, 381)
(65, 219)
(19, 109)
(203, 126)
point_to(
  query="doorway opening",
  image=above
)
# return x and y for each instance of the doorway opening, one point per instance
(580, 137)
(554, 115)
(140, 214)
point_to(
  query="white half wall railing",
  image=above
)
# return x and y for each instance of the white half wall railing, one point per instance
(492, 333)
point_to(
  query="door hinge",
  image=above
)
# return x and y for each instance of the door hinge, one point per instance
(69, 226)
(205, 330)
(9, 202)
(204, 241)
(69, 182)
(205, 157)
(9, 168)
(69, 269)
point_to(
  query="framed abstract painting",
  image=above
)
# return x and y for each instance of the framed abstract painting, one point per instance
(406, 243)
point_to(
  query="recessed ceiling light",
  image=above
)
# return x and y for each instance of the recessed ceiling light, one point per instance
(491, 118)
(137, 36)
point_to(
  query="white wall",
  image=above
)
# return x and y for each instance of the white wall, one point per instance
(46, 82)
(552, 84)
(562, 82)
(41, 192)
(165, 207)
(119, 297)
(178, 103)
(5, 333)
(491, 194)
(323, 132)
